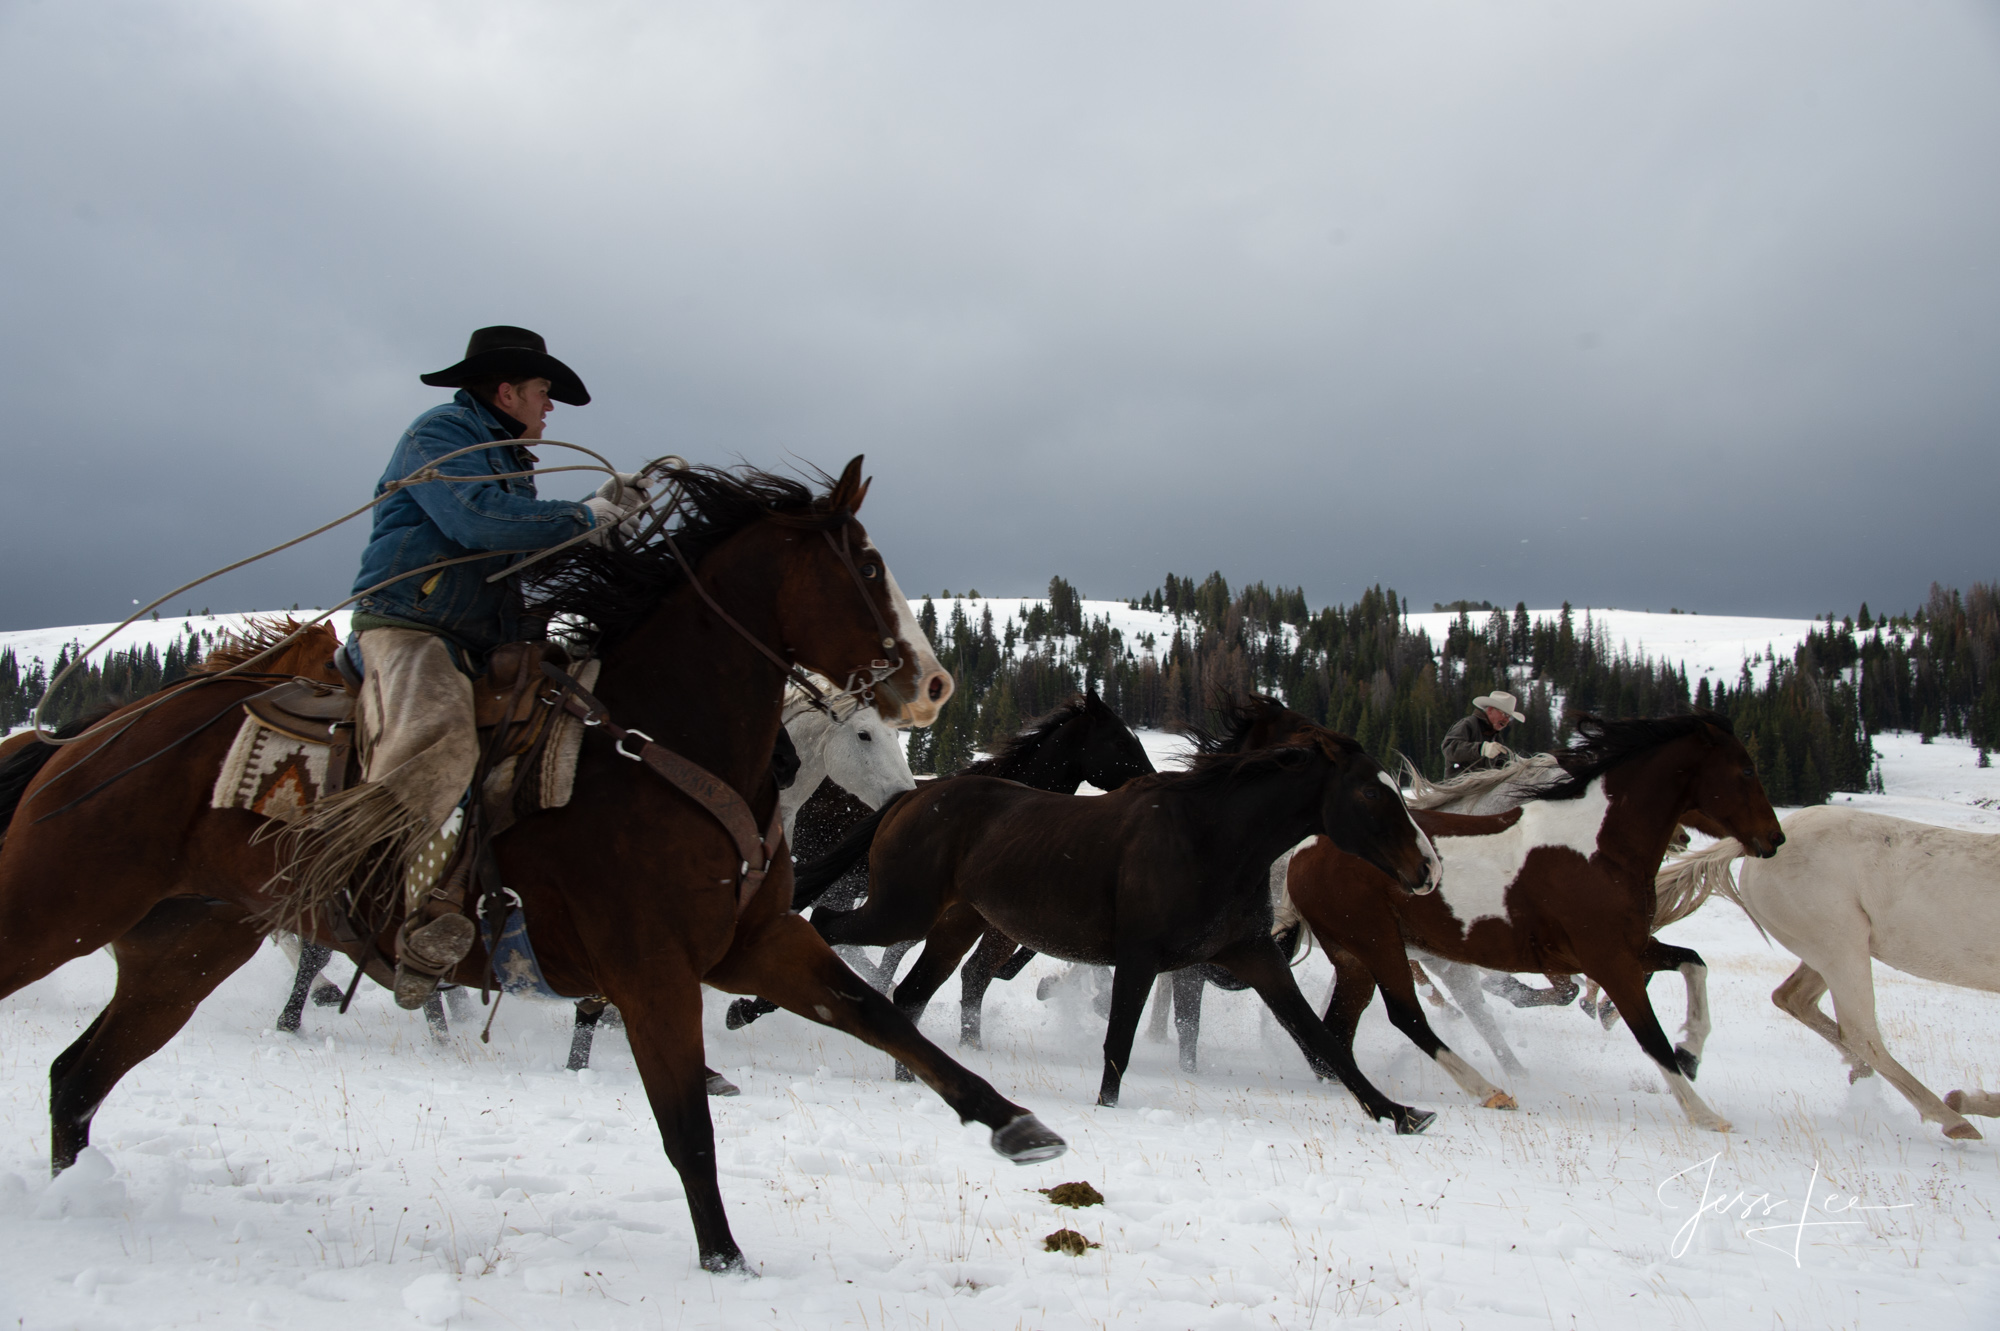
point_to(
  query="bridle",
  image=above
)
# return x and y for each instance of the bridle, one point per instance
(862, 681)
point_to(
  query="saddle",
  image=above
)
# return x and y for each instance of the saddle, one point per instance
(312, 711)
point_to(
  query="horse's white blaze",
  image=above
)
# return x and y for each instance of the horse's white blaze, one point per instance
(1480, 869)
(921, 710)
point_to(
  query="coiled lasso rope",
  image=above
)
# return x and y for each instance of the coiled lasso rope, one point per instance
(662, 467)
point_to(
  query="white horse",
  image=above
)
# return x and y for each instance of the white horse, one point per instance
(859, 750)
(1850, 886)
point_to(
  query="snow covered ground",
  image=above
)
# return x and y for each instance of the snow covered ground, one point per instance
(361, 1176)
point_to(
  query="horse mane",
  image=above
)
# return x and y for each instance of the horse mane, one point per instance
(1021, 746)
(606, 591)
(1240, 716)
(258, 635)
(1208, 770)
(1564, 775)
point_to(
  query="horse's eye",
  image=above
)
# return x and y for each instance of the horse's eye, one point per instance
(871, 571)
(1371, 792)
(1749, 774)
(864, 737)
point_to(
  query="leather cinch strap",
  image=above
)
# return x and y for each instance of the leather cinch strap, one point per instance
(704, 787)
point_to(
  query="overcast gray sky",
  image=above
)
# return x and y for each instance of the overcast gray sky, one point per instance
(1644, 304)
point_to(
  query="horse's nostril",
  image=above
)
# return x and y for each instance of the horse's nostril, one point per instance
(937, 687)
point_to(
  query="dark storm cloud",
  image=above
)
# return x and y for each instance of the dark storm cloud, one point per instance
(1635, 305)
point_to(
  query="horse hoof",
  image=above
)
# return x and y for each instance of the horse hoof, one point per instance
(726, 1264)
(721, 1085)
(326, 996)
(1410, 1122)
(1044, 987)
(970, 1040)
(1607, 1014)
(1955, 1101)
(1963, 1132)
(904, 1074)
(1499, 1100)
(740, 1014)
(1688, 1061)
(1025, 1141)
(1856, 1074)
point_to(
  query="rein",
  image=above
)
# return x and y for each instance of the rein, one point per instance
(756, 853)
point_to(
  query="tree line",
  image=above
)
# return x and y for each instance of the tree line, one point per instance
(1362, 669)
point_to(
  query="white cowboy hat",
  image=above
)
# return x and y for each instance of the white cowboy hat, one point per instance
(1505, 701)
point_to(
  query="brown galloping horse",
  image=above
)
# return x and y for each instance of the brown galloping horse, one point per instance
(631, 890)
(1564, 883)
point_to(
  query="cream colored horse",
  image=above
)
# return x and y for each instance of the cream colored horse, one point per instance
(1850, 886)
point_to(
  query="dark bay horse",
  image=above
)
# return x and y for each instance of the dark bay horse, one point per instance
(1563, 883)
(1082, 740)
(631, 890)
(1169, 870)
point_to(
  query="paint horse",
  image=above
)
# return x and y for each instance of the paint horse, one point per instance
(1562, 882)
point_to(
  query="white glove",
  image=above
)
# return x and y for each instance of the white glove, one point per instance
(625, 490)
(605, 511)
(1493, 748)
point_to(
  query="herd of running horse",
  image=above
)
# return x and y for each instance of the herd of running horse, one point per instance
(638, 895)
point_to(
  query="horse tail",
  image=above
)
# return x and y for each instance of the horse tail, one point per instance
(812, 880)
(1683, 884)
(19, 770)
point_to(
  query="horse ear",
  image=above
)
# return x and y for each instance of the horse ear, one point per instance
(850, 489)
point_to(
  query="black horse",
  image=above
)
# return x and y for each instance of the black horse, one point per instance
(1166, 872)
(1082, 740)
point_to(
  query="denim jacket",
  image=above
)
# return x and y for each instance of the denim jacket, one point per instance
(444, 519)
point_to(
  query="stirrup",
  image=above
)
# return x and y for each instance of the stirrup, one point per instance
(428, 953)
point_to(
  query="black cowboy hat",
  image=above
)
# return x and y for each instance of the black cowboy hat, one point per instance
(506, 352)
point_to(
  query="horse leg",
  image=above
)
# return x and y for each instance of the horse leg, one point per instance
(1259, 963)
(1469, 992)
(312, 960)
(994, 949)
(1624, 982)
(455, 1002)
(1163, 999)
(1660, 956)
(1799, 995)
(1130, 981)
(663, 1021)
(1188, 984)
(1852, 980)
(584, 1033)
(1406, 1014)
(787, 961)
(946, 945)
(892, 960)
(167, 963)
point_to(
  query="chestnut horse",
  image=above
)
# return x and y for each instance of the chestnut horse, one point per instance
(1563, 883)
(1169, 870)
(631, 890)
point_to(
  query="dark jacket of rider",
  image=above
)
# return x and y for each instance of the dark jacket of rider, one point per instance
(473, 512)
(1462, 744)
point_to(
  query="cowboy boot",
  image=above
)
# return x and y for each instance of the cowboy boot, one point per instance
(437, 935)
